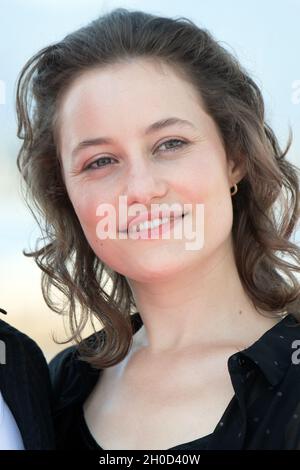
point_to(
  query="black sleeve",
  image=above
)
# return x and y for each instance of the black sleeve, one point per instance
(60, 368)
(26, 388)
(63, 380)
(72, 381)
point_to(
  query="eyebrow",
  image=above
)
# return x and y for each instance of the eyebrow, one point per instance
(155, 126)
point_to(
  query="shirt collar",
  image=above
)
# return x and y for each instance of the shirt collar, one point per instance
(272, 352)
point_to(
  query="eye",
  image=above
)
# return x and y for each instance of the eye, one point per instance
(182, 143)
(99, 162)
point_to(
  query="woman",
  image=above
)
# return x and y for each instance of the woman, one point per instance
(196, 345)
(25, 393)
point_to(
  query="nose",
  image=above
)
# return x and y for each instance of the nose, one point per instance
(145, 182)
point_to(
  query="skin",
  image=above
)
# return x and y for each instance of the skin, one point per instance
(194, 308)
(180, 294)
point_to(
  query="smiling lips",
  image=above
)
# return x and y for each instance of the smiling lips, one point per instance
(150, 225)
(149, 217)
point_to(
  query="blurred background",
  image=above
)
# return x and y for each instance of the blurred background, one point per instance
(264, 35)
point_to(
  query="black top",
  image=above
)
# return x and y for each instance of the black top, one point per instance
(26, 387)
(264, 412)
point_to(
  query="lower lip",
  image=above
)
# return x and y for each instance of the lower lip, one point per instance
(150, 233)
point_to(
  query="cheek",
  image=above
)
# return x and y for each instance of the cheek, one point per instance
(208, 186)
(218, 215)
(86, 201)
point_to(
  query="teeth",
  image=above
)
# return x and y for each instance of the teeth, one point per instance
(149, 224)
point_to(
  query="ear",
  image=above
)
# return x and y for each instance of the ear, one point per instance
(236, 170)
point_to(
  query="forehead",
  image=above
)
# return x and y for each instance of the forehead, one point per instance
(139, 86)
(138, 76)
(121, 100)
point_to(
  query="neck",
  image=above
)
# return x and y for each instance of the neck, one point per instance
(205, 304)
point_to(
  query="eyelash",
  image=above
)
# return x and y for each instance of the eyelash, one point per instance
(182, 144)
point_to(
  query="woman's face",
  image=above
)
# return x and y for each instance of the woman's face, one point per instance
(120, 102)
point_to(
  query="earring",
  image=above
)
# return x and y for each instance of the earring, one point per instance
(235, 190)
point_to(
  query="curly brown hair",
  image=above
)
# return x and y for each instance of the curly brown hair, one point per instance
(265, 209)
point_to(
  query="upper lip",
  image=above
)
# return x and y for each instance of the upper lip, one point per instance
(158, 213)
